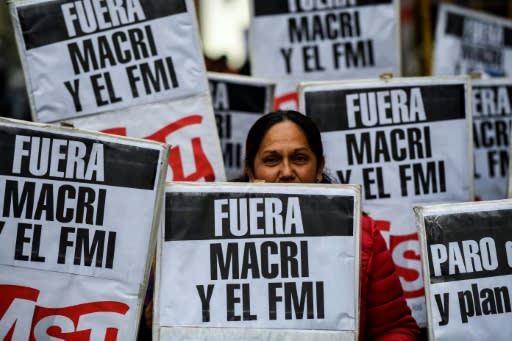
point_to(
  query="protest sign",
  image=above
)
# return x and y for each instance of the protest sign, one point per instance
(238, 101)
(492, 118)
(469, 41)
(405, 140)
(77, 231)
(294, 40)
(467, 261)
(275, 260)
(85, 57)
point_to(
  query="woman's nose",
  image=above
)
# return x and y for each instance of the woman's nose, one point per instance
(287, 173)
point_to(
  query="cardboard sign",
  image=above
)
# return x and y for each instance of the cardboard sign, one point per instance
(269, 257)
(238, 102)
(294, 41)
(390, 136)
(77, 231)
(467, 262)
(492, 119)
(469, 41)
(86, 57)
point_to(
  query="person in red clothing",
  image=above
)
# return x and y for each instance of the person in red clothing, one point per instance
(285, 146)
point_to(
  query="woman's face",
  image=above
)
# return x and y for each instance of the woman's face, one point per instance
(285, 156)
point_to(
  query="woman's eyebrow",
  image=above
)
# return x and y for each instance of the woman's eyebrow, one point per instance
(302, 149)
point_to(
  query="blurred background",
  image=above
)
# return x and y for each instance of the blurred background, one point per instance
(223, 26)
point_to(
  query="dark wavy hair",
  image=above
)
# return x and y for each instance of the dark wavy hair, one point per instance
(267, 121)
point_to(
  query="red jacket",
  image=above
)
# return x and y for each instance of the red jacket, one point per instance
(384, 314)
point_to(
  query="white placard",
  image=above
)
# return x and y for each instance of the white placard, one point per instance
(492, 119)
(467, 250)
(238, 101)
(406, 141)
(88, 57)
(293, 41)
(469, 41)
(260, 257)
(77, 229)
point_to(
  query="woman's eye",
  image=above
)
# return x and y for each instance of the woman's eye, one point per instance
(270, 160)
(300, 158)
